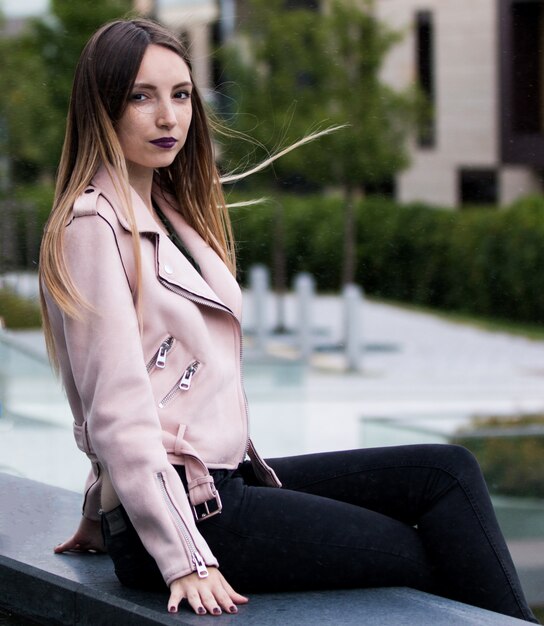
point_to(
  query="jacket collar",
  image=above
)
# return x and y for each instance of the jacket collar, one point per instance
(107, 187)
(187, 278)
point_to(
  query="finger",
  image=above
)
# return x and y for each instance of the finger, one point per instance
(210, 602)
(224, 600)
(176, 596)
(193, 598)
(238, 598)
(234, 596)
(70, 544)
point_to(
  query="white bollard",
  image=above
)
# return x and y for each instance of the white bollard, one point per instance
(258, 283)
(353, 301)
(304, 290)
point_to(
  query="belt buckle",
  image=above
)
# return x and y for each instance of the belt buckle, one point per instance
(203, 510)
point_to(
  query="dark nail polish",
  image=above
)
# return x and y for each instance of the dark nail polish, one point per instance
(173, 609)
(201, 610)
(233, 609)
(216, 611)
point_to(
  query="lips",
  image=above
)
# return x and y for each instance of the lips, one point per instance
(164, 142)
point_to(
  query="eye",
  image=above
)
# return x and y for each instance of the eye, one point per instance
(183, 94)
(138, 97)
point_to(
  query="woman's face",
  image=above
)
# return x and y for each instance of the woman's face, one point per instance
(154, 126)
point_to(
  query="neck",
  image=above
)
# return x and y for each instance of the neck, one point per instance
(141, 180)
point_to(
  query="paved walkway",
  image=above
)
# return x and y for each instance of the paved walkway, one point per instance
(418, 369)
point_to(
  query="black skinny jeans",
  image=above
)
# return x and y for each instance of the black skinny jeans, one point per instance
(417, 516)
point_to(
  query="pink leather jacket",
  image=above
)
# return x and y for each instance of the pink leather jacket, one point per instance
(171, 394)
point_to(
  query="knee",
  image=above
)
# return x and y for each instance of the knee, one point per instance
(458, 460)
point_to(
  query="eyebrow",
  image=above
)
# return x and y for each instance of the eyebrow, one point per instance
(153, 87)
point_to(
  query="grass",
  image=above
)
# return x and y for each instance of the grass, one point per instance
(539, 613)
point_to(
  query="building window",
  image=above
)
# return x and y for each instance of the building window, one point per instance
(527, 50)
(521, 96)
(478, 186)
(424, 39)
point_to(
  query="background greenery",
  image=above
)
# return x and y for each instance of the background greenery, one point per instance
(479, 261)
(17, 312)
(512, 460)
(298, 70)
(482, 262)
(37, 70)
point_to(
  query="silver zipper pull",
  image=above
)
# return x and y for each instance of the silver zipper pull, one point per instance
(186, 379)
(163, 351)
(201, 568)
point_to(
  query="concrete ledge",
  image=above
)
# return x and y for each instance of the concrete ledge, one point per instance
(76, 589)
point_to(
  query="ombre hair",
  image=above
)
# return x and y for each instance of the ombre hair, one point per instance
(103, 81)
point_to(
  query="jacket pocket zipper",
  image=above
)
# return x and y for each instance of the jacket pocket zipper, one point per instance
(159, 358)
(183, 384)
(196, 557)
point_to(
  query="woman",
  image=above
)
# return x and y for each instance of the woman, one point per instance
(142, 318)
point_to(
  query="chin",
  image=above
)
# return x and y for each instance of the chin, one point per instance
(164, 163)
(158, 163)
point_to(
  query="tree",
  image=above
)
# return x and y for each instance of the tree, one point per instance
(306, 69)
(271, 83)
(23, 102)
(39, 67)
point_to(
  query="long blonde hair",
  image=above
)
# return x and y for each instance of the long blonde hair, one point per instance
(103, 80)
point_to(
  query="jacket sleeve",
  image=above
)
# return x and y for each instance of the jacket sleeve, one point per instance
(123, 428)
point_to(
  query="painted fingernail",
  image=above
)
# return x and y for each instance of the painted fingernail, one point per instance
(173, 609)
(233, 609)
(216, 611)
(201, 610)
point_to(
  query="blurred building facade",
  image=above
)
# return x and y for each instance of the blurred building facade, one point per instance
(480, 65)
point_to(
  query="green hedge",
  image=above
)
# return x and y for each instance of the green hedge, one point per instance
(481, 261)
(17, 312)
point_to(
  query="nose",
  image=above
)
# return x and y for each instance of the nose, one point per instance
(166, 115)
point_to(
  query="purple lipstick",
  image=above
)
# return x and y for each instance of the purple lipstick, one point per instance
(165, 142)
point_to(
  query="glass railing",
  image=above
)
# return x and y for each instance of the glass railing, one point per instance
(36, 438)
(510, 451)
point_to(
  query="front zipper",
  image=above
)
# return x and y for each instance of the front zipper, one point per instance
(159, 358)
(183, 384)
(196, 557)
(219, 307)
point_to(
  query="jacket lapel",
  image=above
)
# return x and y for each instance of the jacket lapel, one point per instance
(171, 266)
(215, 273)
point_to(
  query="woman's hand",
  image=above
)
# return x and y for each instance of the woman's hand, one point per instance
(87, 538)
(205, 595)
